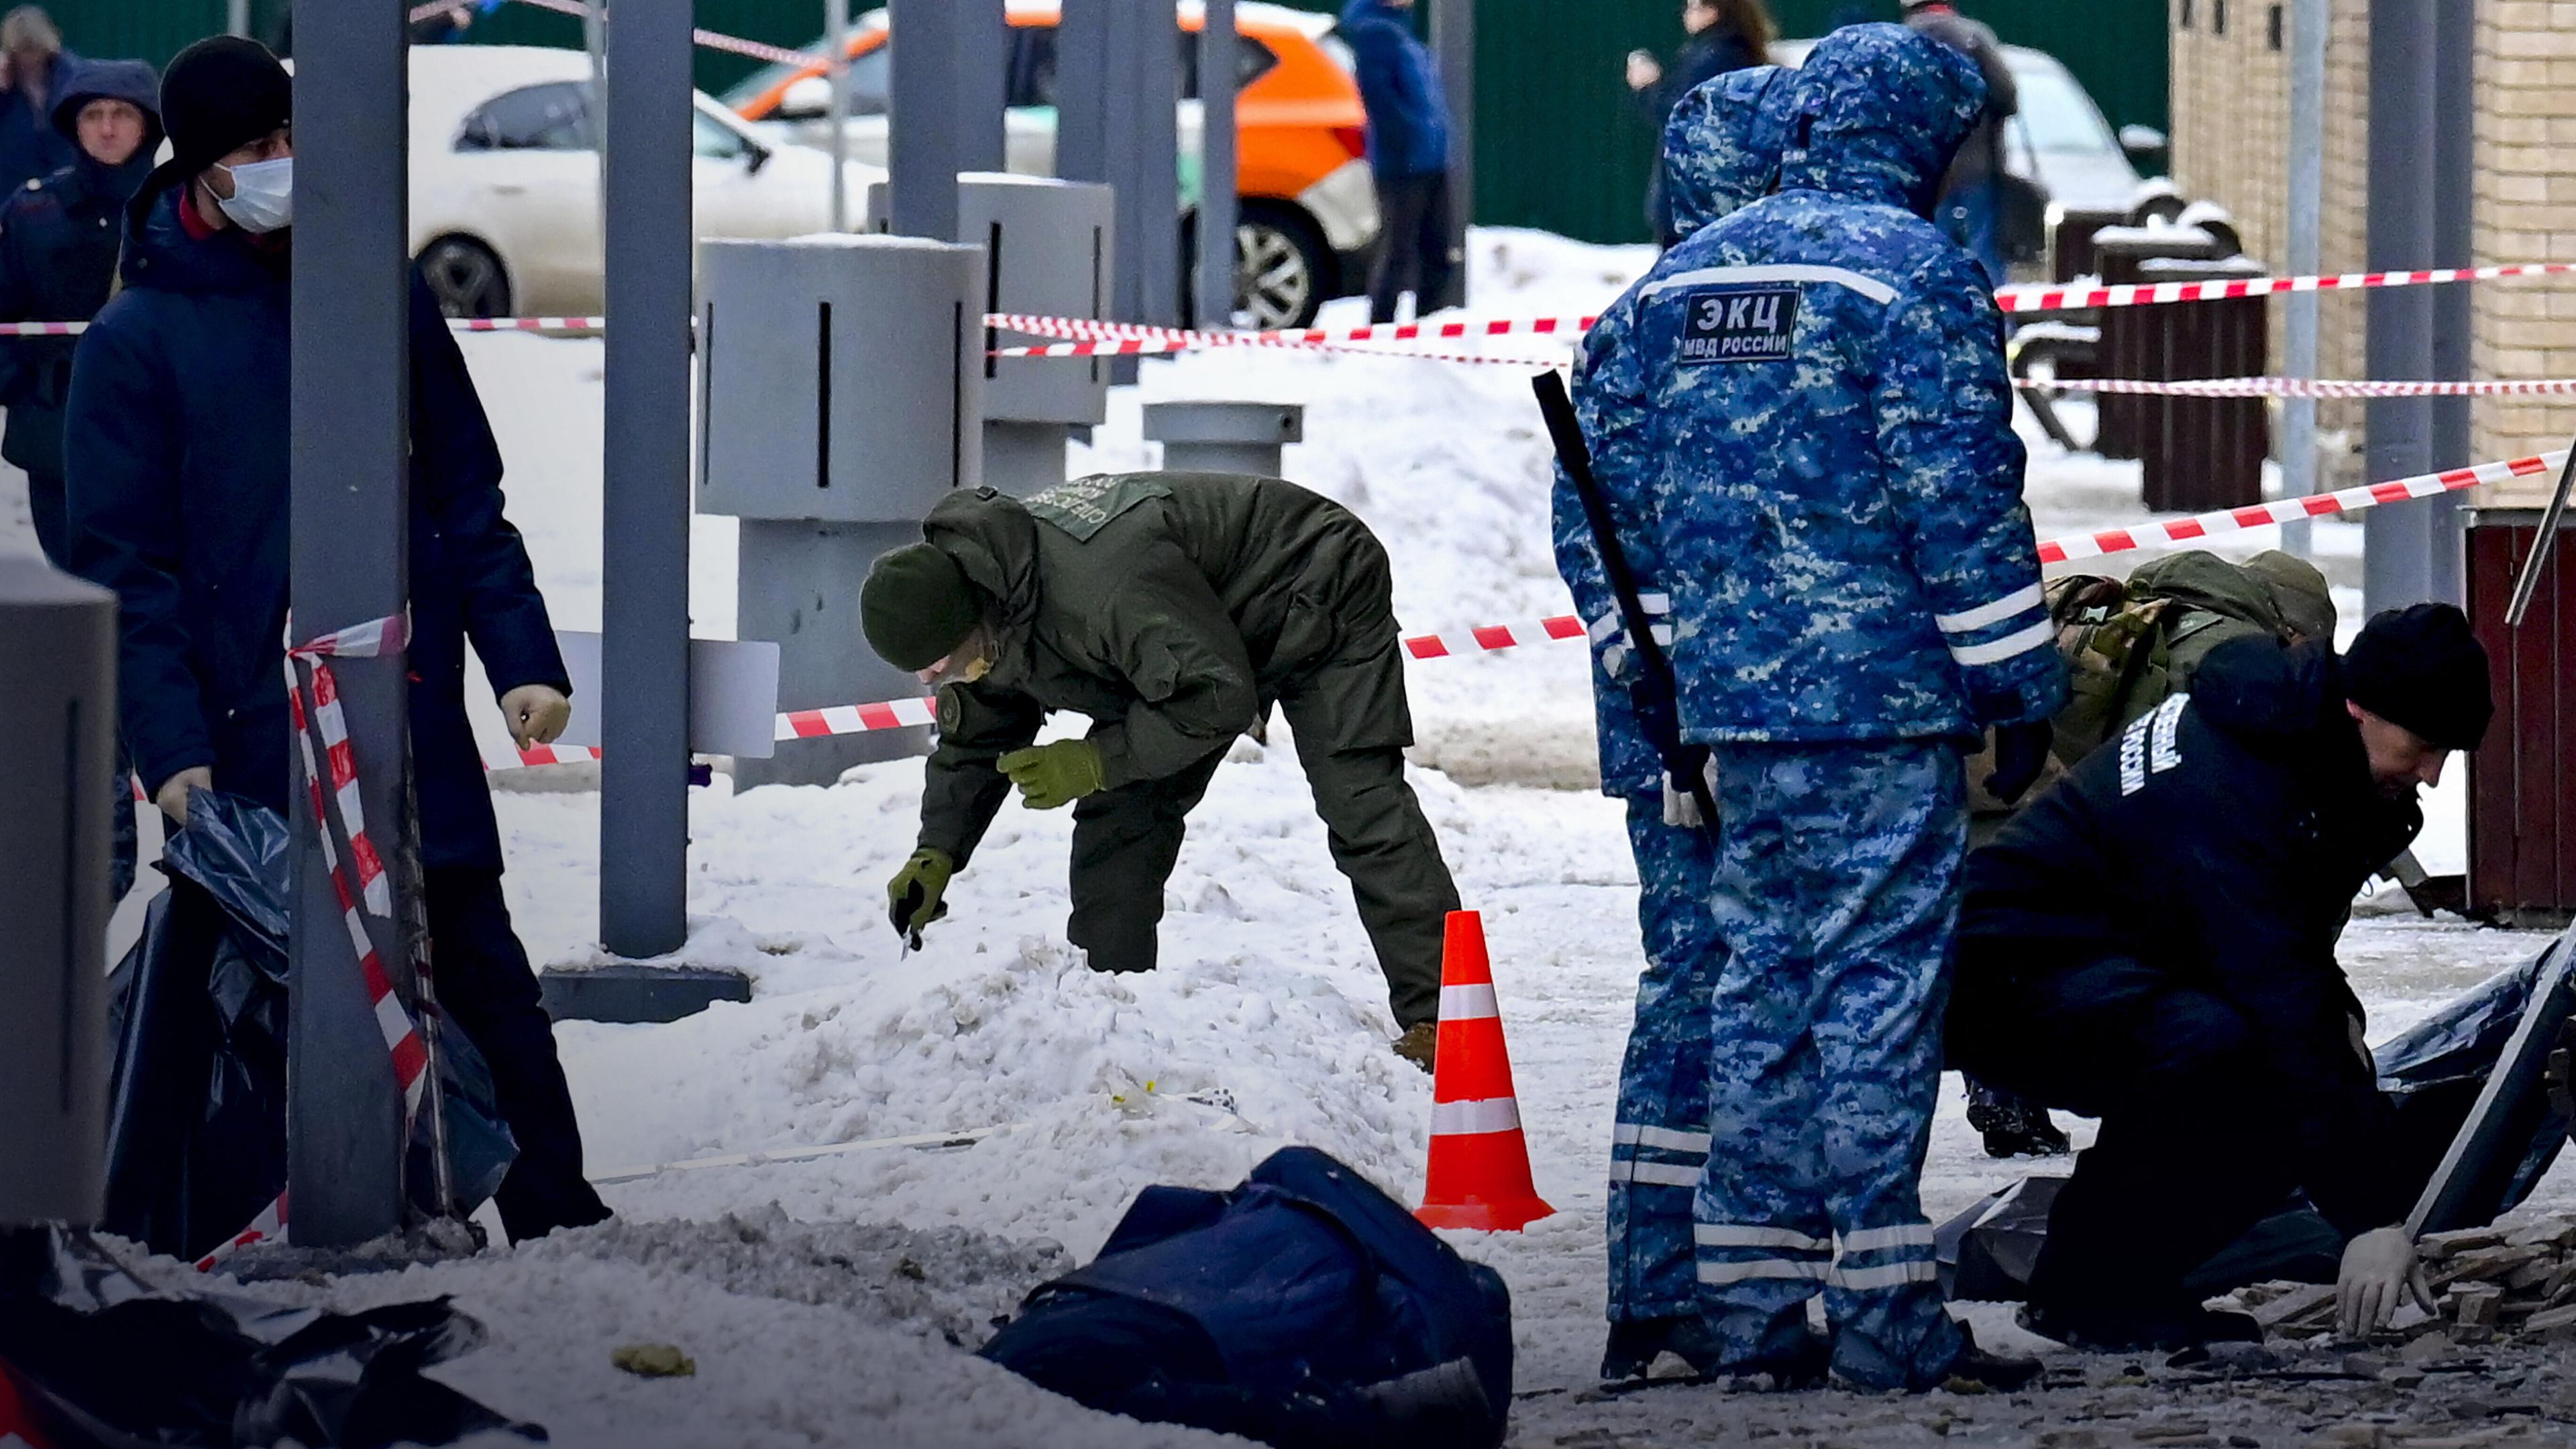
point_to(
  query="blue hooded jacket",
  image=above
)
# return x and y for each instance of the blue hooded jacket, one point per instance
(177, 440)
(58, 244)
(1408, 117)
(1811, 396)
(1721, 153)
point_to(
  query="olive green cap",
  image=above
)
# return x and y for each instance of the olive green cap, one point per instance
(917, 606)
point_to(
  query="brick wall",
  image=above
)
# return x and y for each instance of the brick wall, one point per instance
(2231, 141)
(2526, 211)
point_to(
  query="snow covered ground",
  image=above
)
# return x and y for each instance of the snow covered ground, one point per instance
(819, 1298)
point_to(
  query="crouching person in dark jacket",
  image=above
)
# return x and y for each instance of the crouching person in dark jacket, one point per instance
(2152, 942)
(178, 489)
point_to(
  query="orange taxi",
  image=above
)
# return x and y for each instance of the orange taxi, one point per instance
(1308, 214)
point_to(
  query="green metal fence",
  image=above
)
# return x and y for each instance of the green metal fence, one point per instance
(1560, 143)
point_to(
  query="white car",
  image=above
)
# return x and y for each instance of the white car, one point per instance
(505, 180)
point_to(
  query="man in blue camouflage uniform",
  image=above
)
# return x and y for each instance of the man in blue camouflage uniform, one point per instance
(1721, 152)
(1810, 397)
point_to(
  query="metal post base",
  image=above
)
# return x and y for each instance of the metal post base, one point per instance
(1023, 458)
(1224, 437)
(799, 586)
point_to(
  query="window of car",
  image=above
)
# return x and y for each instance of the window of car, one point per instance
(2059, 116)
(554, 116)
(713, 140)
(1033, 65)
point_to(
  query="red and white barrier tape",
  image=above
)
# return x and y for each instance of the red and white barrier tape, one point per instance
(709, 39)
(1571, 326)
(912, 713)
(2319, 387)
(2286, 510)
(2052, 298)
(268, 1227)
(313, 706)
(528, 324)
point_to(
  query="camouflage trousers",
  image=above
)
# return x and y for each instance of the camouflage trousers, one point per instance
(1660, 1145)
(1835, 894)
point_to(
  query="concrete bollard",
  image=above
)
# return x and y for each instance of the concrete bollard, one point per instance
(1048, 249)
(842, 390)
(58, 717)
(1224, 437)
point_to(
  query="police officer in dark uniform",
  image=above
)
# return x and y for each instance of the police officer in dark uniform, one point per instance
(2152, 942)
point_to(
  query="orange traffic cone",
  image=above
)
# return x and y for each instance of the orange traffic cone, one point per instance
(1480, 1170)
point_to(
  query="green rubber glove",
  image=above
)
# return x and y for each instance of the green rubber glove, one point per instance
(913, 896)
(1054, 775)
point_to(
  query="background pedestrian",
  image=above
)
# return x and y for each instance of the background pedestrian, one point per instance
(1724, 35)
(39, 68)
(1408, 143)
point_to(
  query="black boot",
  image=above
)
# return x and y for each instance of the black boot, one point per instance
(1992, 1370)
(1637, 1343)
(2013, 1126)
(2137, 1329)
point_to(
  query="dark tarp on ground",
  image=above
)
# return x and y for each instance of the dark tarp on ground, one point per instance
(2433, 1072)
(197, 1107)
(96, 1357)
(1304, 1308)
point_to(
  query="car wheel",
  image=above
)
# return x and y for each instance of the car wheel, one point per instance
(466, 278)
(1280, 266)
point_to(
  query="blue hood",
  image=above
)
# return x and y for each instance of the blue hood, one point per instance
(1881, 110)
(1722, 145)
(130, 81)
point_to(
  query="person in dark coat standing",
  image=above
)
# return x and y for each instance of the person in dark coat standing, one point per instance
(58, 243)
(178, 447)
(58, 240)
(1725, 35)
(2152, 942)
(1971, 203)
(39, 70)
(1408, 144)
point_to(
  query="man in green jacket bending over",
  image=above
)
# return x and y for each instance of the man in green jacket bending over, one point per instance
(1173, 609)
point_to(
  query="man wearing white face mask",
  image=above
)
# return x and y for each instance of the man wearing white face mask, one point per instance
(177, 449)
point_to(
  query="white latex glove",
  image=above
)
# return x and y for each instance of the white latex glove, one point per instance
(173, 797)
(1681, 809)
(535, 714)
(2380, 1271)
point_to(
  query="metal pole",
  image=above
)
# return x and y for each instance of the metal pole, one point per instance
(58, 652)
(1150, 211)
(2308, 22)
(349, 391)
(1216, 165)
(983, 85)
(237, 17)
(2396, 542)
(1453, 34)
(644, 599)
(594, 39)
(922, 149)
(836, 27)
(2455, 166)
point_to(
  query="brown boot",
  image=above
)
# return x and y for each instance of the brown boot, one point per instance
(1418, 1043)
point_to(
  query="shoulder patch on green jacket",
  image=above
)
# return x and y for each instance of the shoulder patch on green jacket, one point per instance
(1084, 506)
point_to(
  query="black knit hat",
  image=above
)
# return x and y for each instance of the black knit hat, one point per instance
(917, 606)
(2422, 668)
(219, 94)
